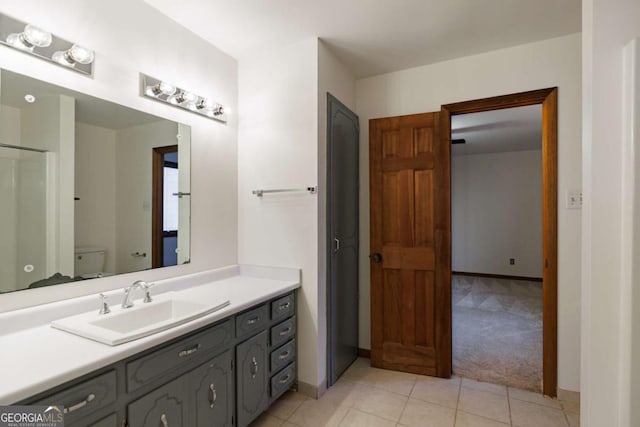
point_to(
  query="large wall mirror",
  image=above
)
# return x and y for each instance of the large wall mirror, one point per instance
(88, 188)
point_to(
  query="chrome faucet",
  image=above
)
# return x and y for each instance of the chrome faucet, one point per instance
(127, 303)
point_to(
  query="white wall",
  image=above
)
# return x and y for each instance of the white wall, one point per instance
(336, 79)
(130, 37)
(134, 190)
(548, 63)
(607, 25)
(496, 213)
(95, 184)
(277, 148)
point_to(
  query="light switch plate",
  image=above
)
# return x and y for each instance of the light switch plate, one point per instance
(574, 199)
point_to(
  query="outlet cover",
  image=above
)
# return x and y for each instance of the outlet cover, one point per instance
(574, 199)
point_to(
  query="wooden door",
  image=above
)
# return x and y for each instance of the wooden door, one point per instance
(410, 245)
(251, 371)
(211, 389)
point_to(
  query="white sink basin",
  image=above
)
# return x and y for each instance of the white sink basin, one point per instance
(123, 325)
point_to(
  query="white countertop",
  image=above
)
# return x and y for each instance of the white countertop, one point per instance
(39, 357)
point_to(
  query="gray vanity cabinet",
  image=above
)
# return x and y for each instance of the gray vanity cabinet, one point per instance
(211, 391)
(223, 375)
(252, 377)
(165, 407)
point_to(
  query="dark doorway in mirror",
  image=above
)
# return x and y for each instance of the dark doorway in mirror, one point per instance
(165, 206)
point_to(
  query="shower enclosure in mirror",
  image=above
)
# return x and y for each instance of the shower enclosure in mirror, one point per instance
(88, 188)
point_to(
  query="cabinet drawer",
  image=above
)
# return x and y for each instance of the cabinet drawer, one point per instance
(147, 368)
(282, 332)
(283, 380)
(252, 320)
(110, 421)
(84, 398)
(282, 307)
(283, 356)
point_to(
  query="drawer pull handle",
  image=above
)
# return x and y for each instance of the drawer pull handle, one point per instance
(163, 419)
(79, 405)
(284, 306)
(284, 355)
(253, 320)
(189, 352)
(214, 395)
(284, 379)
(285, 331)
(254, 367)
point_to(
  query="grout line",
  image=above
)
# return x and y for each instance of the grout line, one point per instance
(509, 405)
(455, 414)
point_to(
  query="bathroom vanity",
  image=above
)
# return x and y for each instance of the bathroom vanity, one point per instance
(223, 369)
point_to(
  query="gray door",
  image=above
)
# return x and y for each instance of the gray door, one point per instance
(342, 216)
(165, 406)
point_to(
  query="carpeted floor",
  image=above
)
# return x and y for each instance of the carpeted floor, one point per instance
(497, 331)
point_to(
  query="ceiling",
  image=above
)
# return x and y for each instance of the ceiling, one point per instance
(89, 110)
(498, 131)
(374, 36)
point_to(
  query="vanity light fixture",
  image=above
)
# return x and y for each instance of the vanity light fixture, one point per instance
(168, 93)
(42, 44)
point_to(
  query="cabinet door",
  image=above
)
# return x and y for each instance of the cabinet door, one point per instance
(163, 407)
(252, 370)
(211, 388)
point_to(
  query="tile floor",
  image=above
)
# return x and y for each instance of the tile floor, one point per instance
(370, 397)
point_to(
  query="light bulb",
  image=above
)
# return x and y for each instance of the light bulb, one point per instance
(162, 88)
(36, 36)
(81, 54)
(16, 40)
(218, 110)
(63, 58)
(189, 97)
(205, 104)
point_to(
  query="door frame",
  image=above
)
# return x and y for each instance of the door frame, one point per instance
(549, 100)
(157, 217)
(331, 327)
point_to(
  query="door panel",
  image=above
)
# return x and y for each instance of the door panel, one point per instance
(211, 387)
(410, 228)
(252, 370)
(343, 224)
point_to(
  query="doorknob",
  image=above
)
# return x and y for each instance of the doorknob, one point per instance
(376, 257)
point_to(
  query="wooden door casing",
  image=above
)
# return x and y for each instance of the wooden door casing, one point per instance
(410, 228)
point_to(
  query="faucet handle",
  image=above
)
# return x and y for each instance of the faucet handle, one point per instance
(104, 306)
(147, 293)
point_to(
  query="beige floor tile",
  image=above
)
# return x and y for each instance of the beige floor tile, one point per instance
(485, 404)
(355, 418)
(571, 407)
(527, 414)
(418, 413)
(287, 404)
(318, 413)
(379, 402)
(396, 382)
(529, 396)
(343, 393)
(436, 390)
(479, 385)
(574, 419)
(266, 420)
(464, 419)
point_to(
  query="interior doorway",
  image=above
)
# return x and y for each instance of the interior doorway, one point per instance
(410, 215)
(496, 245)
(548, 99)
(165, 208)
